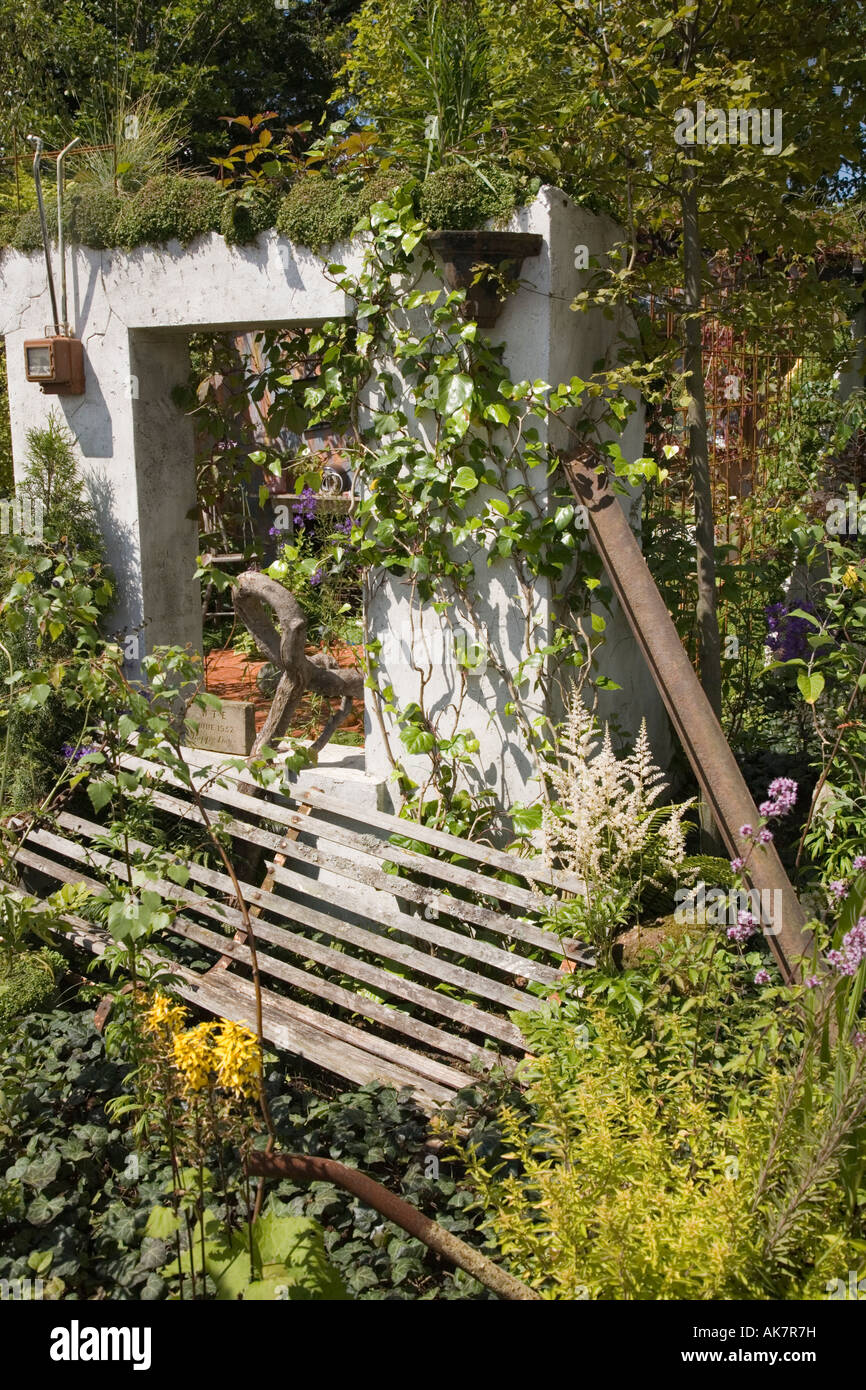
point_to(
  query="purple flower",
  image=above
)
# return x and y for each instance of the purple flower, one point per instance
(787, 635)
(737, 865)
(72, 754)
(762, 977)
(858, 1039)
(853, 950)
(812, 982)
(745, 927)
(764, 837)
(781, 798)
(304, 509)
(839, 888)
(316, 577)
(860, 862)
(746, 831)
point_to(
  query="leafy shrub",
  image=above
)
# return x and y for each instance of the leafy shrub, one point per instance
(458, 198)
(27, 235)
(34, 629)
(30, 983)
(170, 207)
(316, 212)
(245, 215)
(681, 1137)
(93, 216)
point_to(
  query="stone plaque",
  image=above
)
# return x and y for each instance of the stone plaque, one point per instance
(231, 729)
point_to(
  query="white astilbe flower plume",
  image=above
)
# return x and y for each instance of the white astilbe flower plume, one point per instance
(605, 826)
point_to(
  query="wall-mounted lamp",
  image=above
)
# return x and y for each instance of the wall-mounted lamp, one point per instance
(57, 363)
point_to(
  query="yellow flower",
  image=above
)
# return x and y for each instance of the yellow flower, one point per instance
(851, 578)
(194, 1055)
(164, 1016)
(238, 1059)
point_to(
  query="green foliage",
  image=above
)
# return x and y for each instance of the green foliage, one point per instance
(71, 1208)
(94, 61)
(446, 78)
(666, 1151)
(27, 233)
(317, 212)
(53, 590)
(460, 197)
(77, 1199)
(170, 207)
(30, 983)
(129, 144)
(245, 214)
(282, 1257)
(93, 214)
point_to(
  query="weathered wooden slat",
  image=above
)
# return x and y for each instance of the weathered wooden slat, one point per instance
(366, 844)
(373, 942)
(346, 963)
(396, 884)
(509, 963)
(313, 984)
(390, 1018)
(531, 869)
(234, 999)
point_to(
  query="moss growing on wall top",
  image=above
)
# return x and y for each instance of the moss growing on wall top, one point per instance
(316, 212)
(168, 208)
(460, 198)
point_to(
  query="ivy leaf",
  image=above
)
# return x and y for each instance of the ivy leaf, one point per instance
(454, 393)
(466, 479)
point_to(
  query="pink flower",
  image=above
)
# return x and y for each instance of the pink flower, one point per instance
(839, 888)
(737, 865)
(853, 950)
(858, 1039)
(746, 831)
(860, 862)
(762, 977)
(812, 982)
(765, 837)
(745, 927)
(782, 796)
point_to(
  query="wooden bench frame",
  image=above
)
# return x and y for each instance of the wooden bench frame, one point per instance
(340, 912)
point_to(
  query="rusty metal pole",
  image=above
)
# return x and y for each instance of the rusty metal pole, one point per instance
(698, 729)
(306, 1168)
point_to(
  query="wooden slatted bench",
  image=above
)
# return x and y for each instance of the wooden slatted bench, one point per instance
(393, 965)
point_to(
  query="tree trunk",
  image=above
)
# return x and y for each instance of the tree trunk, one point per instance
(709, 642)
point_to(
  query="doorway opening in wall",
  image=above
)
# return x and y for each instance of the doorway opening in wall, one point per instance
(274, 494)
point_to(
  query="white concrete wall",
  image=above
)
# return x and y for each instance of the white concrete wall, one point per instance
(135, 312)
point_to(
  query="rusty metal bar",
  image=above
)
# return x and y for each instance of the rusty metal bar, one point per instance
(698, 729)
(304, 1168)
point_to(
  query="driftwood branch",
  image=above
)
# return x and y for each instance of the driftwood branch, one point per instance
(259, 599)
(303, 1168)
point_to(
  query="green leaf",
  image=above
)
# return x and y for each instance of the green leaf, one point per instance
(466, 479)
(454, 393)
(162, 1223)
(810, 686)
(100, 794)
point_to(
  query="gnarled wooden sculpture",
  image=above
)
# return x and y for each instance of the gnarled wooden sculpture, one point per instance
(284, 646)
